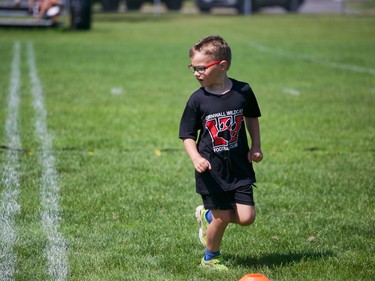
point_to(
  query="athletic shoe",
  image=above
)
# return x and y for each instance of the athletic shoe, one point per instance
(215, 263)
(200, 215)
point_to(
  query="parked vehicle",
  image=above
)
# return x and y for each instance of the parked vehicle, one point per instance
(206, 5)
(135, 5)
(173, 5)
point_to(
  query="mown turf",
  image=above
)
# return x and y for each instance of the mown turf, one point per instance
(114, 97)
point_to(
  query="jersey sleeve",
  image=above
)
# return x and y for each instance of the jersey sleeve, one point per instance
(190, 122)
(251, 109)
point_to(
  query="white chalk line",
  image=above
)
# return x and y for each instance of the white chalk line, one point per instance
(291, 91)
(326, 63)
(9, 208)
(56, 249)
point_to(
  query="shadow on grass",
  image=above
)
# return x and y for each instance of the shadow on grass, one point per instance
(276, 259)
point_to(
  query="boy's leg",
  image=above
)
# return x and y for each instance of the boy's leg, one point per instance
(233, 207)
(243, 214)
(216, 229)
(214, 234)
(244, 210)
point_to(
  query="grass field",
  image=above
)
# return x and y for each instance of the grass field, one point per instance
(96, 184)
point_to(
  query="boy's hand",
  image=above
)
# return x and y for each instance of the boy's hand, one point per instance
(201, 164)
(255, 154)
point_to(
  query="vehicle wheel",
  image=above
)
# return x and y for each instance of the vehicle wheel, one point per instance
(204, 10)
(110, 5)
(173, 5)
(241, 6)
(292, 5)
(133, 5)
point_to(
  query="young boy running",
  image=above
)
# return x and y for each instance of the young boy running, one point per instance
(213, 130)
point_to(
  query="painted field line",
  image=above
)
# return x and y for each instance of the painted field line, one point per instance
(326, 63)
(56, 249)
(291, 91)
(10, 179)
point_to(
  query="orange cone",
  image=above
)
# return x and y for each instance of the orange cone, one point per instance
(254, 277)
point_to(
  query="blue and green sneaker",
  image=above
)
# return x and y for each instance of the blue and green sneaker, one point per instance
(200, 215)
(216, 263)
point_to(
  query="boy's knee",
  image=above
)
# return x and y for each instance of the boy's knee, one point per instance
(247, 221)
(223, 220)
(245, 215)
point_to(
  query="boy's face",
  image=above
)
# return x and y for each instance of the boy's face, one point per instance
(213, 70)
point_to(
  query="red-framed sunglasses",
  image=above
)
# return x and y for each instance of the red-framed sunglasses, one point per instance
(202, 68)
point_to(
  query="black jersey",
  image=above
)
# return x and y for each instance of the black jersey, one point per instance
(222, 140)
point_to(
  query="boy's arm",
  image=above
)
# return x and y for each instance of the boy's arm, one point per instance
(255, 153)
(200, 164)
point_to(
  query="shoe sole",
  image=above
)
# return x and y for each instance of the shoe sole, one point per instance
(198, 218)
(205, 267)
(211, 267)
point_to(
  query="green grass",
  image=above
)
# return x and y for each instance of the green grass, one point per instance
(127, 211)
(365, 6)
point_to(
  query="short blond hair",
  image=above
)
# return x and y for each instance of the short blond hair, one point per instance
(214, 46)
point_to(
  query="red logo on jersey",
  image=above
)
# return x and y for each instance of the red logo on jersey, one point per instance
(224, 129)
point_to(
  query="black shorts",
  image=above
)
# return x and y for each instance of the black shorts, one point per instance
(227, 200)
